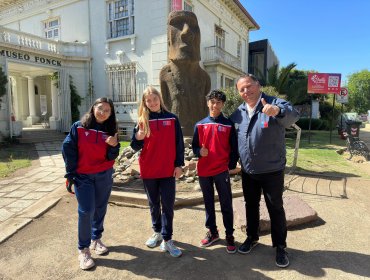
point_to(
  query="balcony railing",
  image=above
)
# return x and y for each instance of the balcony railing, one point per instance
(216, 54)
(33, 42)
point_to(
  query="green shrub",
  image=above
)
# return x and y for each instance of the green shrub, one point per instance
(316, 124)
(233, 100)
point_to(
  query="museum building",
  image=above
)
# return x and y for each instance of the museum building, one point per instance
(111, 48)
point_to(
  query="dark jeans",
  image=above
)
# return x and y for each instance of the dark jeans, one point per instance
(222, 183)
(92, 193)
(161, 192)
(272, 186)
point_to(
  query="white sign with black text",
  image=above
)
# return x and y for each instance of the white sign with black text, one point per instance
(343, 96)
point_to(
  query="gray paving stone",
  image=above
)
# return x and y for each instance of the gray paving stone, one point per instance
(34, 171)
(48, 188)
(10, 188)
(61, 180)
(21, 203)
(5, 214)
(17, 194)
(48, 179)
(23, 180)
(7, 181)
(41, 175)
(6, 201)
(46, 163)
(35, 195)
(15, 210)
(31, 186)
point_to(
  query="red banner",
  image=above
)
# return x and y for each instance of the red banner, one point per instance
(323, 83)
(176, 5)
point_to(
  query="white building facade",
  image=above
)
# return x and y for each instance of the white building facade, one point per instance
(111, 48)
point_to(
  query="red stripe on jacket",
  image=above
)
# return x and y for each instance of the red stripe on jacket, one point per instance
(92, 151)
(157, 158)
(216, 138)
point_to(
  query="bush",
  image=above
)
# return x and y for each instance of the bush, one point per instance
(326, 111)
(233, 100)
(316, 124)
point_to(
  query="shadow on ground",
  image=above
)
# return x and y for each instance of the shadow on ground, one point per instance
(199, 263)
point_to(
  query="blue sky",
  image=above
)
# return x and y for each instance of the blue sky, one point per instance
(329, 36)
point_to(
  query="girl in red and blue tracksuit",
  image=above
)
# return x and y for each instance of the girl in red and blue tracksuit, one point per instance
(215, 143)
(89, 151)
(159, 136)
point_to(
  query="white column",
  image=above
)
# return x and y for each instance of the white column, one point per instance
(54, 100)
(31, 96)
(54, 119)
(32, 118)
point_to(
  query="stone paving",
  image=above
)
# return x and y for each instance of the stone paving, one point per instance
(19, 194)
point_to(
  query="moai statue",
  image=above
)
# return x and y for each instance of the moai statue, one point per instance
(184, 84)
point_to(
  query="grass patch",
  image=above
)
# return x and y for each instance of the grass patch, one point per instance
(124, 144)
(13, 157)
(320, 156)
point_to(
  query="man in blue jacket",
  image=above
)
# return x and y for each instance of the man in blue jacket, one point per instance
(260, 124)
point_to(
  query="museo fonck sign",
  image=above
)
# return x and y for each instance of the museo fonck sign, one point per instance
(31, 58)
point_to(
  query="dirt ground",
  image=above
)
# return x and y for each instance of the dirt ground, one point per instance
(334, 247)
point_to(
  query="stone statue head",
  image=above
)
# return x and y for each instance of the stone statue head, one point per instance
(183, 36)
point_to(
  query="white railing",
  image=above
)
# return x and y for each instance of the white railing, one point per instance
(33, 42)
(216, 54)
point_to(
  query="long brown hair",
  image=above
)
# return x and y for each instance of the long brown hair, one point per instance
(143, 113)
(110, 125)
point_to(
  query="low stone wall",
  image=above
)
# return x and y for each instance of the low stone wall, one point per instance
(127, 166)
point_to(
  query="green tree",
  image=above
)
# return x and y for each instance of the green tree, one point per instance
(75, 101)
(296, 90)
(278, 78)
(359, 91)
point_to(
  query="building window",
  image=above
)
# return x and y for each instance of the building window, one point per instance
(220, 37)
(257, 66)
(52, 28)
(229, 83)
(122, 132)
(239, 49)
(188, 6)
(122, 82)
(120, 18)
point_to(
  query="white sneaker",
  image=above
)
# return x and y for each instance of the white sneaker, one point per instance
(154, 239)
(171, 248)
(98, 246)
(86, 262)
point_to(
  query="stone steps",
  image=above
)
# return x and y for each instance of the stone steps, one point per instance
(37, 134)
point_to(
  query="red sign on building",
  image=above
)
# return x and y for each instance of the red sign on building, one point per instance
(323, 83)
(176, 5)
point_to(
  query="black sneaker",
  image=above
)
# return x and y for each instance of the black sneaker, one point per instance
(230, 244)
(209, 239)
(281, 257)
(247, 246)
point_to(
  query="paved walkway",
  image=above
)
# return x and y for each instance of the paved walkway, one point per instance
(26, 197)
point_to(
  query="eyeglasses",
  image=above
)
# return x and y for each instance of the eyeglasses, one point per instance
(102, 111)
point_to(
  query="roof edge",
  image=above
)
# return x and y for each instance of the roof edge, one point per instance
(241, 7)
